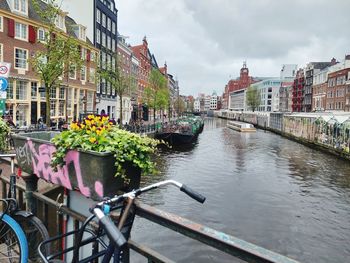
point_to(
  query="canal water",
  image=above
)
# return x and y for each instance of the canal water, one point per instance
(260, 187)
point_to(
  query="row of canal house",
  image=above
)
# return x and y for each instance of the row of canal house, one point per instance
(320, 86)
(95, 27)
(21, 35)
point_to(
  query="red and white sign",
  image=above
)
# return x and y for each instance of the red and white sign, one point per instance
(4, 69)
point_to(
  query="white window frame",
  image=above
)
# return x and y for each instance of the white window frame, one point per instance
(23, 31)
(83, 53)
(104, 20)
(14, 55)
(92, 75)
(109, 23)
(98, 36)
(103, 41)
(75, 72)
(113, 27)
(60, 21)
(1, 24)
(83, 76)
(41, 31)
(98, 16)
(22, 6)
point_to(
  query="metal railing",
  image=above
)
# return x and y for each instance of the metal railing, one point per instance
(231, 245)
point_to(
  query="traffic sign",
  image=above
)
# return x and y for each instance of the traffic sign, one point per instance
(3, 84)
(5, 69)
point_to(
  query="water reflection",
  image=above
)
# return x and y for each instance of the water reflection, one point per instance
(260, 187)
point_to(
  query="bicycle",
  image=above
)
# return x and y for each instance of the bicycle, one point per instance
(108, 241)
(33, 228)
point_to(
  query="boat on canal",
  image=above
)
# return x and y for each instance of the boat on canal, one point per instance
(241, 126)
(184, 131)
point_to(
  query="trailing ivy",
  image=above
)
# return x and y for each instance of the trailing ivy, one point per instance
(4, 136)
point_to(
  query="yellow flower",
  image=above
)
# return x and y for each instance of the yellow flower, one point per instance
(98, 132)
(93, 128)
(91, 116)
(92, 139)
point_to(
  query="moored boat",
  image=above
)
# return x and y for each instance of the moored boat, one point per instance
(241, 126)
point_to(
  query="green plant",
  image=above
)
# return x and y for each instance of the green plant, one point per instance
(97, 133)
(4, 136)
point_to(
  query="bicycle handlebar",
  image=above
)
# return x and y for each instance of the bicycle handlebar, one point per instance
(134, 193)
(112, 231)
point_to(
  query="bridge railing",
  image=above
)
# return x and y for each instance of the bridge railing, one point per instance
(44, 205)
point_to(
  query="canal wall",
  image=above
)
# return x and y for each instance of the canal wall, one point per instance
(328, 132)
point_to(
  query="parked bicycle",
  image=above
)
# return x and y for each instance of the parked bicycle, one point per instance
(108, 242)
(34, 230)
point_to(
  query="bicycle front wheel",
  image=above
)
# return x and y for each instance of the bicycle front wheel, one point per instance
(13, 243)
(35, 232)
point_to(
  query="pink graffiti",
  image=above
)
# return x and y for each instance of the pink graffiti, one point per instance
(41, 167)
(99, 188)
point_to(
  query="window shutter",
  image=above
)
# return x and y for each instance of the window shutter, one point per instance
(88, 55)
(11, 27)
(32, 34)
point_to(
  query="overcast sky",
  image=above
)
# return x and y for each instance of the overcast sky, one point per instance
(204, 42)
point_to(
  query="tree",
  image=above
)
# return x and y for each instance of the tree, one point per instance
(156, 94)
(253, 97)
(179, 106)
(121, 82)
(60, 51)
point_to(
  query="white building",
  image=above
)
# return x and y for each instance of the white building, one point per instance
(207, 101)
(237, 100)
(197, 105)
(269, 94)
(214, 101)
(288, 72)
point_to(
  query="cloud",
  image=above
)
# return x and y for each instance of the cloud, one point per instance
(204, 42)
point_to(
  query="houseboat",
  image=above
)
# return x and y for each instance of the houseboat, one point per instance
(241, 126)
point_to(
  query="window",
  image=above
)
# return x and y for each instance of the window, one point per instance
(72, 72)
(1, 52)
(108, 24)
(62, 93)
(1, 23)
(21, 90)
(41, 34)
(59, 21)
(33, 91)
(113, 27)
(53, 108)
(10, 90)
(61, 108)
(20, 5)
(83, 53)
(113, 45)
(92, 75)
(92, 56)
(21, 31)
(98, 16)
(98, 36)
(21, 56)
(103, 20)
(82, 32)
(83, 73)
(103, 39)
(108, 42)
(53, 93)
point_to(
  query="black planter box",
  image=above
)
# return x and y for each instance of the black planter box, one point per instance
(92, 173)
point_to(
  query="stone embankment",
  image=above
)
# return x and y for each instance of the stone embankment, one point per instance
(329, 132)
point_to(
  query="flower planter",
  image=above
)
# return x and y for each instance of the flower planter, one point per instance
(92, 173)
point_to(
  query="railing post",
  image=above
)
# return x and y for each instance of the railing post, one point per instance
(31, 186)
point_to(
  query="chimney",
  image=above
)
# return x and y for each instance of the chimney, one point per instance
(347, 57)
(333, 61)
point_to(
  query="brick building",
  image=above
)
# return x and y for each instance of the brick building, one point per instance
(337, 89)
(243, 82)
(142, 53)
(21, 33)
(298, 90)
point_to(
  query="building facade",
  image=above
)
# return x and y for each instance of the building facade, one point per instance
(269, 94)
(100, 17)
(285, 94)
(21, 33)
(243, 82)
(298, 91)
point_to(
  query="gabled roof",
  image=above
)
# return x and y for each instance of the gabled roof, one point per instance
(4, 5)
